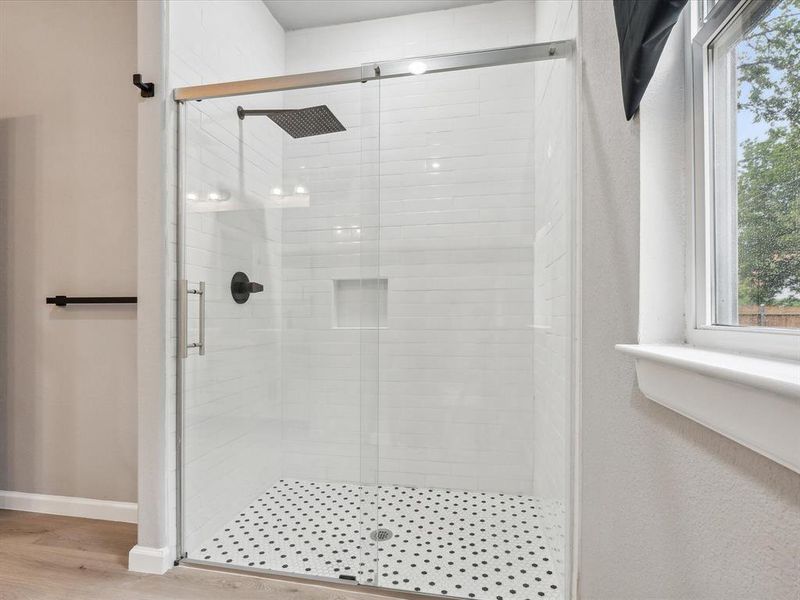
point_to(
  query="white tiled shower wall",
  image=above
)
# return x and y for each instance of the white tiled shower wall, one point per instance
(554, 176)
(474, 360)
(233, 395)
(328, 377)
(467, 348)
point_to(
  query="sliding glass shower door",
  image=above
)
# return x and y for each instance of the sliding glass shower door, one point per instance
(475, 249)
(278, 323)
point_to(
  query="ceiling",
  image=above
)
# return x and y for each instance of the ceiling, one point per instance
(299, 14)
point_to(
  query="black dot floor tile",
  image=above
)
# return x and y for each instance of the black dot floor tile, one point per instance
(448, 542)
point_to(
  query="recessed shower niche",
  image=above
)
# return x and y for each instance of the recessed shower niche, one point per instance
(389, 377)
(360, 303)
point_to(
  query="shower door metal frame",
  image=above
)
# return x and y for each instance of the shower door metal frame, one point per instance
(560, 49)
(438, 63)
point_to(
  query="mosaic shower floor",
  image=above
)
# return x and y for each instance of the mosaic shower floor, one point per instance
(445, 542)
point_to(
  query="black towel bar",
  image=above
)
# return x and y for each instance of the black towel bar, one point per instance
(64, 300)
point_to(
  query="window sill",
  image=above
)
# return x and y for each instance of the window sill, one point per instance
(754, 401)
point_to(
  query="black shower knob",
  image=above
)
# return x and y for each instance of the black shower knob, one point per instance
(242, 287)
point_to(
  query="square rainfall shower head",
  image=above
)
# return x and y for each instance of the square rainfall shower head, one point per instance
(300, 122)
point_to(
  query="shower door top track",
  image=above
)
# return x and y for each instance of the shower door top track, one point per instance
(380, 70)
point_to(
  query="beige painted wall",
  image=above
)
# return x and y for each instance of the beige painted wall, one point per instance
(670, 510)
(68, 226)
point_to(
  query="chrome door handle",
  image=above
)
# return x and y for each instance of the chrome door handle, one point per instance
(183, 322)
(183, 318)
(202, 318)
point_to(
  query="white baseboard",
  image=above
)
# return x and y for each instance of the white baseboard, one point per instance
(145, 559)
(88, 508)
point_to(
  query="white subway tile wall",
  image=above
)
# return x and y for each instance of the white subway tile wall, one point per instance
(473, 365)
(554, 176)
(326, 376)
(233, 393)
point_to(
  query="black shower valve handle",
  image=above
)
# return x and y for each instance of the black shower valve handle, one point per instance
(242, 287)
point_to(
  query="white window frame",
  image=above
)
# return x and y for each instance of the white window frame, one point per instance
(742, 382)
(700, 328)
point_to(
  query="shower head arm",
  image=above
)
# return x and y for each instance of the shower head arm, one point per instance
(242, 112)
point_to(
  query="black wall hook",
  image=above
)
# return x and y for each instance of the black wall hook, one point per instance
(148, 89)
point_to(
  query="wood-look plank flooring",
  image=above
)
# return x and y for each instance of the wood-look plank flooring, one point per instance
(45, 557)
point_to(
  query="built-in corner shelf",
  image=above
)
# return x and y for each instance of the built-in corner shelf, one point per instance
(754, 401)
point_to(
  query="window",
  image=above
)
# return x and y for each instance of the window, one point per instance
(736, 370)
(704, 8)
(746, 71)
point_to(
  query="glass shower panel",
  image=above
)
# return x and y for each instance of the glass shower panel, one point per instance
(275, 474)
(475, 215)
(231, 393)
(332, 295)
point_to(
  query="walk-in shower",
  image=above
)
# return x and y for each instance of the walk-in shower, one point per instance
(392, 408)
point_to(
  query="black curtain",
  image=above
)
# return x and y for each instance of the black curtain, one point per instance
(643, 27)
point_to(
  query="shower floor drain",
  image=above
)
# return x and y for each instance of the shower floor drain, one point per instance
(380, 534)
